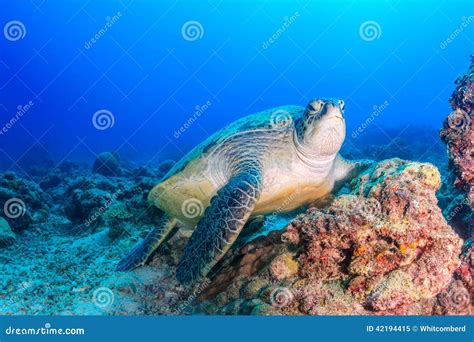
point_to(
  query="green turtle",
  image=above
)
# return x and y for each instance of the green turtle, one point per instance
(277, 160)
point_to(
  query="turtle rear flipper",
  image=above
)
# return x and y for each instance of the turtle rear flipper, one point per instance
(142, 252)
(223, 220)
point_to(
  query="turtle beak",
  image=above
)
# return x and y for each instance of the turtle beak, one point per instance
(327, 108)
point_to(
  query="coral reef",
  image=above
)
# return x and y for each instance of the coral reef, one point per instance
(23, 201)
(107, 164)
(458, 134)
(95, 200)
(384, 248)
(7, 237)
(380, 246)
(67, 256)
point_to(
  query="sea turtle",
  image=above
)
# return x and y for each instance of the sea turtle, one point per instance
(276, 160)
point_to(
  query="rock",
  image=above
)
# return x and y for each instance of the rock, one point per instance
(142, 171)
(107, 164)
(117, 202)
(6, 235)
(384, 248)
(458, 133)
(283, 266)
(51, 180)
(22, 201)
(87, 204)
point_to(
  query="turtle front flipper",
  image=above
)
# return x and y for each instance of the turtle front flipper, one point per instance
(346, 170)
(223, 220)
(140, 254)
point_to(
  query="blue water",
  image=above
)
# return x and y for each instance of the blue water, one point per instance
(151, 76)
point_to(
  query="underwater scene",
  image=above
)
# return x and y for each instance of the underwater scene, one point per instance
(180, 157)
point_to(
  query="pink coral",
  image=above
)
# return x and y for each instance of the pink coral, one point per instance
(458, 133)
(380, 249)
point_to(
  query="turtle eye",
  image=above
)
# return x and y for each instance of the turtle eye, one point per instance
(315, 107)
(342, 104)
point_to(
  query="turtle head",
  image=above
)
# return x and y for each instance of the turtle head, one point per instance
(322, 129)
